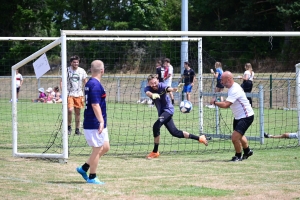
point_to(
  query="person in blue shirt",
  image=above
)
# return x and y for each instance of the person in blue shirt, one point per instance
(157, 91)
(188, 77)
(94, 123)
(217, 75)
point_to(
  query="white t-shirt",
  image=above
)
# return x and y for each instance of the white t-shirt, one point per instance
(240, 106)
(19, 78)
(250, 76)
(75, 81)
(168, 81)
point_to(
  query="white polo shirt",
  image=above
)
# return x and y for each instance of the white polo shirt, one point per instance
(240, 106)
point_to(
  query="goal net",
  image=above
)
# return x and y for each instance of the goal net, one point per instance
(129, 57)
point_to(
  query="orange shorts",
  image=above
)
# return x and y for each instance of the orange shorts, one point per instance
(76, 102)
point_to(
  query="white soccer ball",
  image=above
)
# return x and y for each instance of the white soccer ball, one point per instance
(185, 106)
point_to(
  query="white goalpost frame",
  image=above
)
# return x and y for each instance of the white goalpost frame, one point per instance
(64, 154)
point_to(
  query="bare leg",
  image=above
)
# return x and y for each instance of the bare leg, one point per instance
(70, 111)
(238, 141)
(188, 96)
(77, 117)
(96, 154)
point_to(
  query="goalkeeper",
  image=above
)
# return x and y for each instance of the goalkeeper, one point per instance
(158, 92)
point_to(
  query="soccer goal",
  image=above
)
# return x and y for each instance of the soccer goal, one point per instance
(40, 130)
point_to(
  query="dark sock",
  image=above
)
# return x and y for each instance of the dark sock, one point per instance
(85, 167)
(239, 155)
(155, 149)
(194, 137)
(69, 127)
(246, 151)
(173, 101)
(92, 176)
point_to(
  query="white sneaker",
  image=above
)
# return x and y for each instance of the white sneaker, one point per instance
(211, 106)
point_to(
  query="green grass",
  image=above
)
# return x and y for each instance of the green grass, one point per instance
(268, 174)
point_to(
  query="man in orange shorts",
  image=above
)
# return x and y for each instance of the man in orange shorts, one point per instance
(76, 80)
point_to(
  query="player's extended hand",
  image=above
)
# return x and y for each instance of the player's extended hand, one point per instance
(180, 87)
(155, 96)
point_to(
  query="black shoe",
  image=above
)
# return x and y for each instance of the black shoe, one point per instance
(235, 159)
(69, 130)
(246, 156)
(77, 132)
(266, 135)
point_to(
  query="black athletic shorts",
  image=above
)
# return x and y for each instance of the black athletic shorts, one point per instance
(241, 125)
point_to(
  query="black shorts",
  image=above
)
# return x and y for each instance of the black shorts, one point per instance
(18, 89)
(241, 125)
(219, 85)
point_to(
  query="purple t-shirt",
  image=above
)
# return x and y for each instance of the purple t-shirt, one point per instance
(163, 104)
(42, 95)
(94, 94)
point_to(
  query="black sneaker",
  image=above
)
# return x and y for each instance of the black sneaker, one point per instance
(69, 130)
(246, 156)
(266, 135)
(77, 132)
(235, 159)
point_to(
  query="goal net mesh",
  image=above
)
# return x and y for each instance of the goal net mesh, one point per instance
(131, 114)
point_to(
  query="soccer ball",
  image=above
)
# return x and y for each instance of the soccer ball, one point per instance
(185, 106)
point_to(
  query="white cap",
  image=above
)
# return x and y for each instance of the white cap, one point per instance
(41, 89)
(49, 89)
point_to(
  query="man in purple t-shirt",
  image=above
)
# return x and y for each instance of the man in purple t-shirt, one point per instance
(158, 93)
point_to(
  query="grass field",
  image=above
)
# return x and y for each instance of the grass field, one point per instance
(268, 174)
(185, 169)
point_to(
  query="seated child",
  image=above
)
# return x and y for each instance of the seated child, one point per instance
(50, 95)
(41, 97)
(57, 96)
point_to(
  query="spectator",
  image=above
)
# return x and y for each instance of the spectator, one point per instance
(217, 75)
(50, 95)
(248, 80)
(19, 82)
(188, 77)
(57, 96)
(42, 96)
(160, 71)
(168, 75)
(77, 78)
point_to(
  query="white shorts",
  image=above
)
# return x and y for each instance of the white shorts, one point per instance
(94, 139)
(168, 82)
(293, 135)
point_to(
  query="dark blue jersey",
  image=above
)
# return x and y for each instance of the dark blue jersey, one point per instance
(188, 76)
(163, 103)
(94, 94)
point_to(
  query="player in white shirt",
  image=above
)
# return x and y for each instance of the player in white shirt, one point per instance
(243, 115)
(76, 80)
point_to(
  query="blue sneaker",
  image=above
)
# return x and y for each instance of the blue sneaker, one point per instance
(82, 173)
(94, 181)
